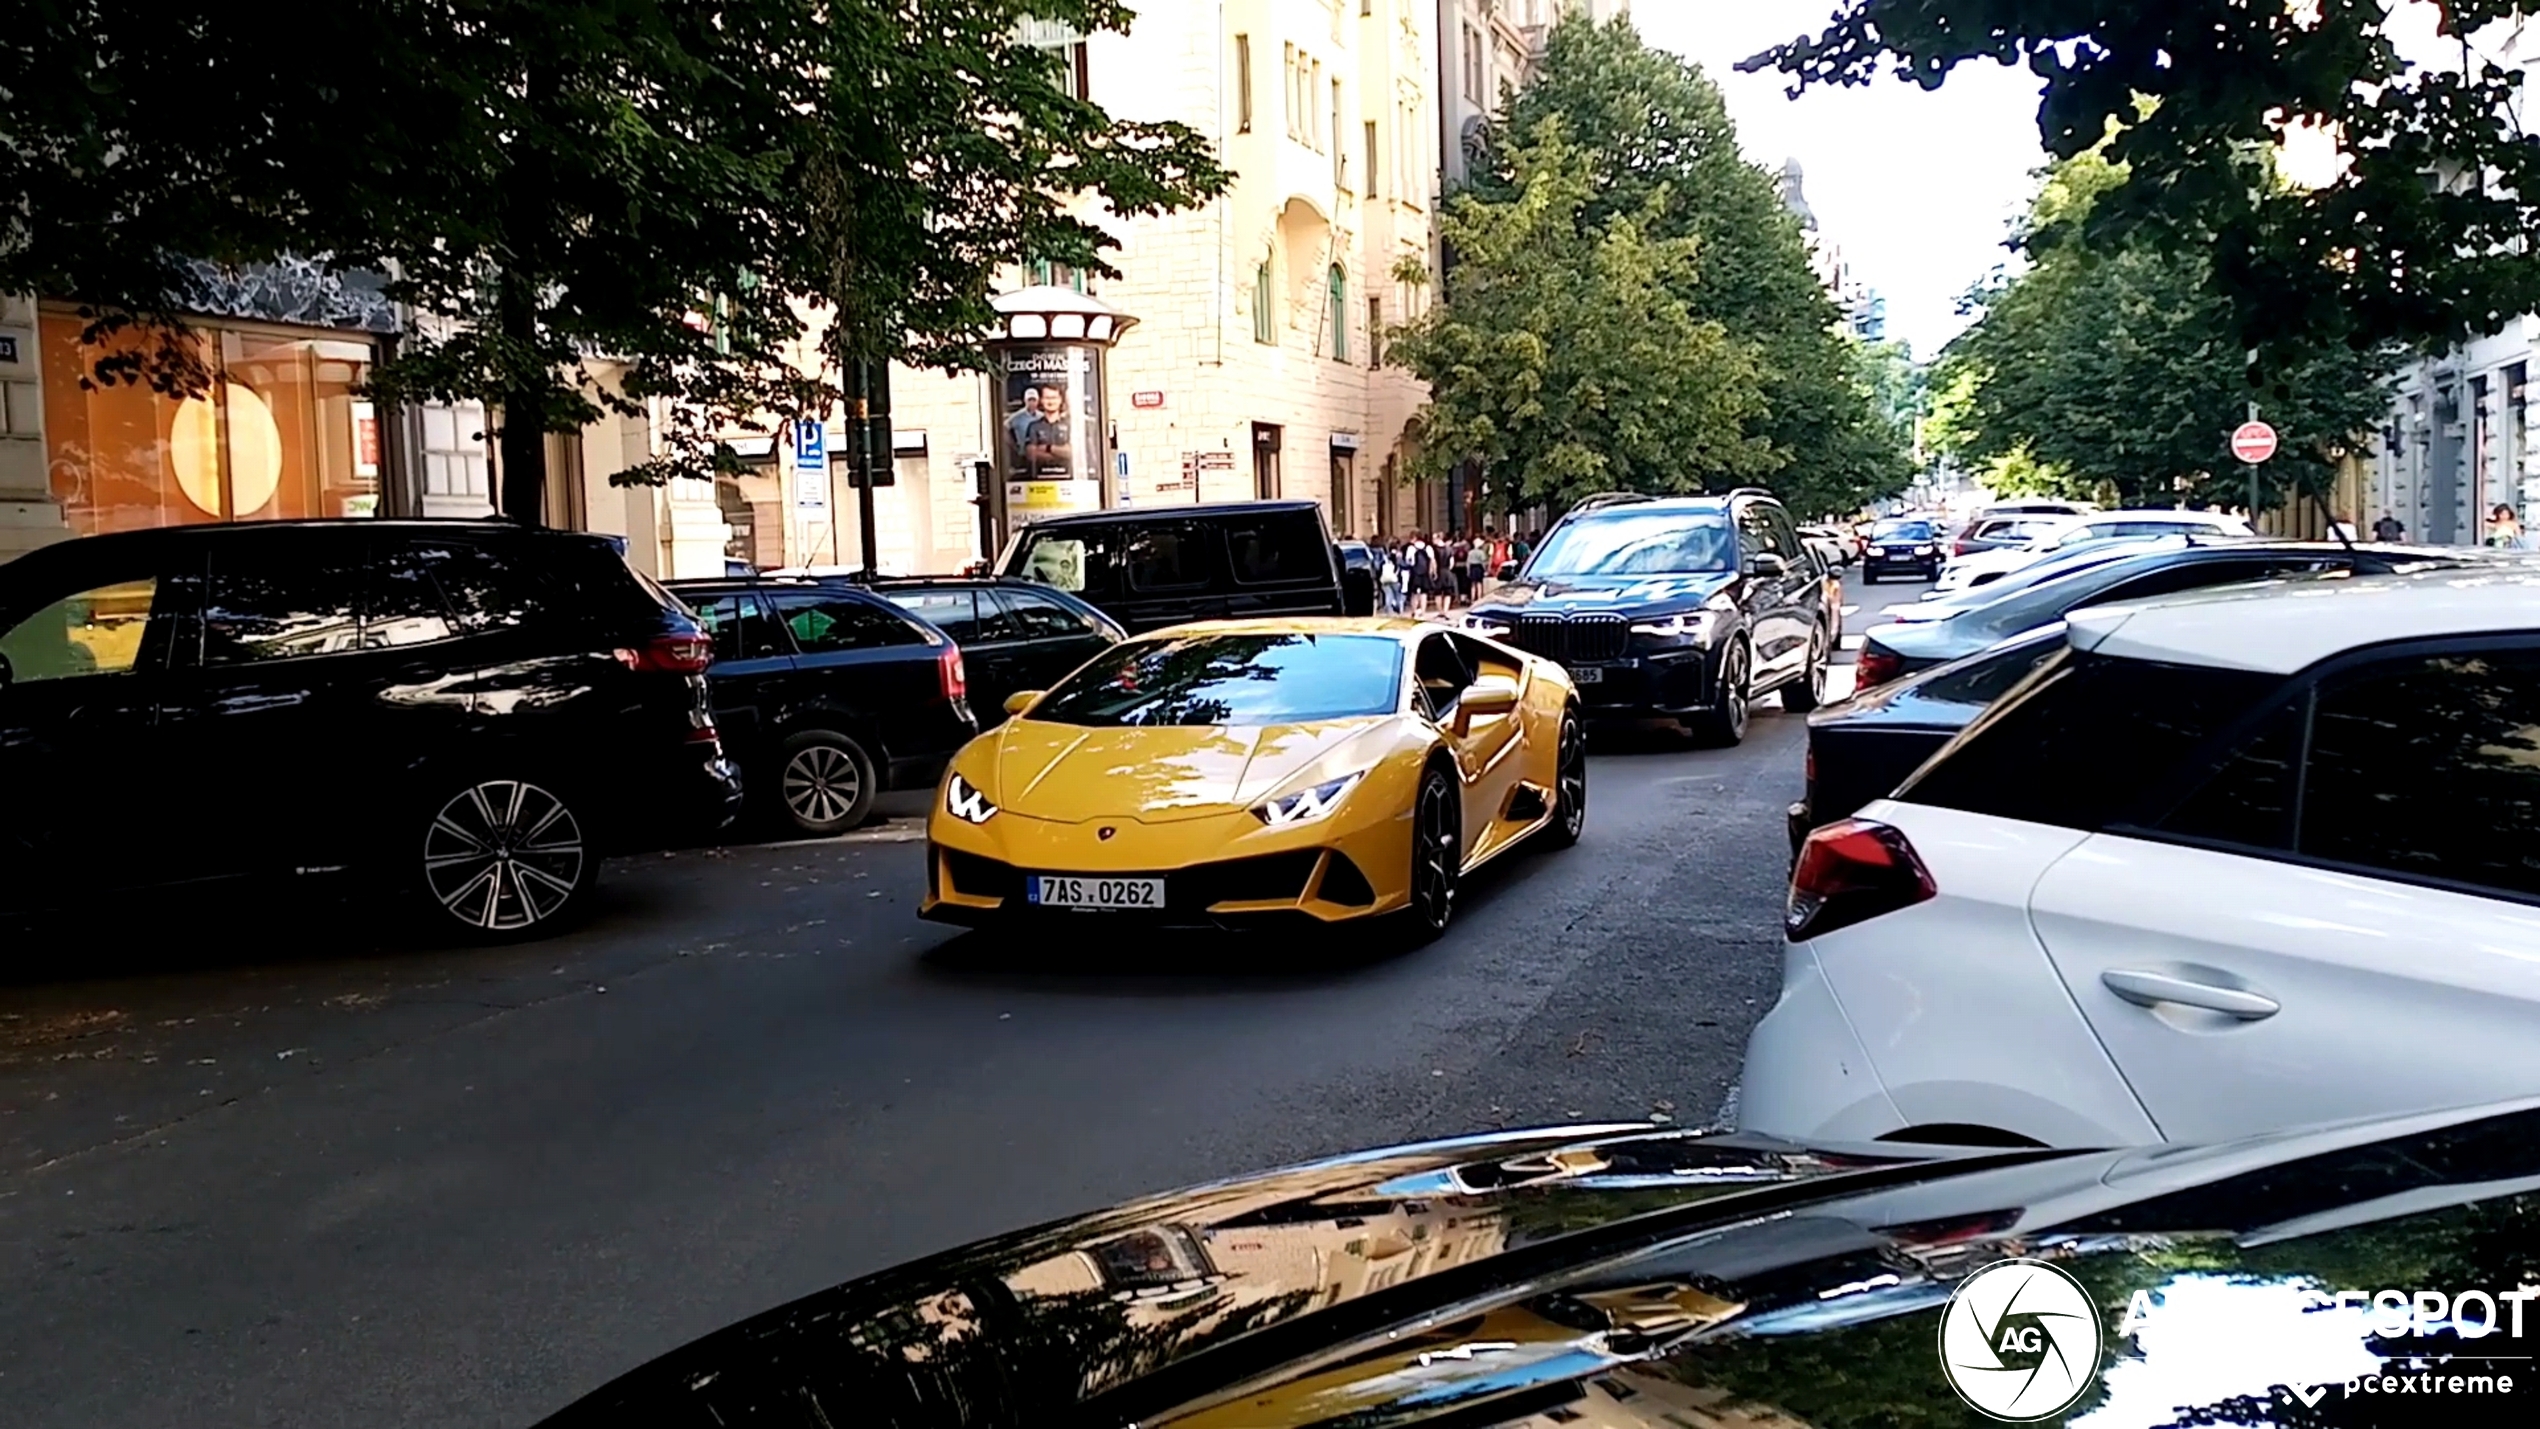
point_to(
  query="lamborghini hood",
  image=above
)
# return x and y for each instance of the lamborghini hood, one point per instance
(1070, 773)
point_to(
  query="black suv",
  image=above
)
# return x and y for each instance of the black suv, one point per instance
(1682, 608)
(475, 710)
(1014, 635)
(1151, 568)
(828, 694)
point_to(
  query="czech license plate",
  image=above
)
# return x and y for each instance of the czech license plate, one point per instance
(1094, 892)
(1588, 675)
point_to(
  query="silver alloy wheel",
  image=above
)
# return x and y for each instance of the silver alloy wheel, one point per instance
(1734, 697)
(504, 855)
(822, 784)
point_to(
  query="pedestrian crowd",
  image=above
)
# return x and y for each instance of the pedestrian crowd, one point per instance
(1432, 573)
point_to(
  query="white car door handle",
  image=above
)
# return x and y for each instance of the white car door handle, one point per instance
(2152, 989)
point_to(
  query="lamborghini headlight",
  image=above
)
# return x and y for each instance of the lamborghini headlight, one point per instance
(966, 803)
(1306, 805)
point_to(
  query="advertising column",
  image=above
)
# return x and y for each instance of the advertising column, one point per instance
(1049, 430)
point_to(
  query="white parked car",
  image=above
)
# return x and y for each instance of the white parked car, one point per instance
(2063, 533)
(2248, 858)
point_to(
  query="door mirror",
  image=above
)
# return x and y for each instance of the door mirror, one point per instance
(1020, 701)
(1768, 564)
(1507, 571)
(1485, 698)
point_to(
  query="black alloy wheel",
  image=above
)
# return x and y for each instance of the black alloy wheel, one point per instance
(1809, 690)
(1725, 723)
(825, 782)
(1437, 856)
(1569, 782)
(505, 858)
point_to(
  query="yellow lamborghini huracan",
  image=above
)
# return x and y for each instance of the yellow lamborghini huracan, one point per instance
(1326, 769)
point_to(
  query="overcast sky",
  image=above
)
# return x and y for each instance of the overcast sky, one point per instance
(1915, 187)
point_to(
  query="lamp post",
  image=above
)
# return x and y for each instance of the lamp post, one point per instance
(1047, 362)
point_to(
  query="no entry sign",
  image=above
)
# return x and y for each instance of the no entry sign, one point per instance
(2253, 441)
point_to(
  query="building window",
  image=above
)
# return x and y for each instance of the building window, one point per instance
(1369, 184)
(1243, 84)
(283, 433)
(1080, 79)
(1375, 332)
(1314, 119)
(1339, 284)
(1340, 147)
(455, 465)
(1265, 315)
(1473, 80)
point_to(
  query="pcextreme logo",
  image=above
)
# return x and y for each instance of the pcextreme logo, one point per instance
(2020, 1340)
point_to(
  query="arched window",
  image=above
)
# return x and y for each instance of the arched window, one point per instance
(1339, 319)
(1265, 306)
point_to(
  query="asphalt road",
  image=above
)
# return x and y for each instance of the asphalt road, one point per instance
(266, 1163)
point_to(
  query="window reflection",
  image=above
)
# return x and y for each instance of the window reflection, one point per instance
(96, 632)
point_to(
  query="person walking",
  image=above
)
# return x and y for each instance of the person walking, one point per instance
(1419, 566)
(1389, 576)
(2389, 528)
(1477, 566)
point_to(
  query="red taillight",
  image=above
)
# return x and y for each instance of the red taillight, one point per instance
(671, 654)
(1959, 549)
(956, 680)
(1849, 871)
(1876, 666)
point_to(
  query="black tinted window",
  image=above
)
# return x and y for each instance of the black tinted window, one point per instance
(1269, 549)
(2430, 766)
(484, 589)
(1167, 556)
(960, 614)
(1037, 617)
(2086, 742)
(2249, 799)
(1988, 677)
(825, 621)
(404, 605)
(739, 626)
(279, 600)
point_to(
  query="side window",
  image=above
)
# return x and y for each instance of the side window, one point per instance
(1752, 538)
(740, 627)
(1442, 674)
(1267, 550)
(2430, 766)
(2185, 575)
(404, 605)
(484, 590)
(954, 612)
(1167, 555)
(281, 600)
(1061, 561)
(2248, 800)
(1040, 618)
(822, 622)
(1783, 535)
(2081, 745)
(94, 631)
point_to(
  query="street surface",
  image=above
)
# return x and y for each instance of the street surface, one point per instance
(274, 1166)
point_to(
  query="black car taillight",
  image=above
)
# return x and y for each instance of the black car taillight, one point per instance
(956, 679)
(1850, 871)
(1876, 666)
(676, 653)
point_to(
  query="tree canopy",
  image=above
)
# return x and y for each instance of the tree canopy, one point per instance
(1639, 146)
(687, 189)
(2116, 374)
(2422, 235)
(1565, 357)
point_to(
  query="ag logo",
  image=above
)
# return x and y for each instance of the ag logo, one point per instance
(2020, 1340)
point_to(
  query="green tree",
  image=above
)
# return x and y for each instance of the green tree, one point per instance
(1566, 359)
(682, 188)
(1661, 148)
(2116, 373)
(2424, 232)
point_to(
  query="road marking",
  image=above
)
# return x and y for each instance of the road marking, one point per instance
(1852, 642)
(1852, 610)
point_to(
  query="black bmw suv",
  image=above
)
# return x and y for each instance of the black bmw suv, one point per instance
(1683, 608)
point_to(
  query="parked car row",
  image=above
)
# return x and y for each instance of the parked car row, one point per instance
(2171, 862)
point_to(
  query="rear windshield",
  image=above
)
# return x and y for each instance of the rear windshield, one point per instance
(1231, 679)
(2085, 739)
(1901, 531)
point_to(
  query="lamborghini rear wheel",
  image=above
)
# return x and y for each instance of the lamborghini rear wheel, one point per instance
(1437, 857)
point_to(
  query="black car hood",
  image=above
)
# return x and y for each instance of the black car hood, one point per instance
(1564, 594)
(1639, 1277)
